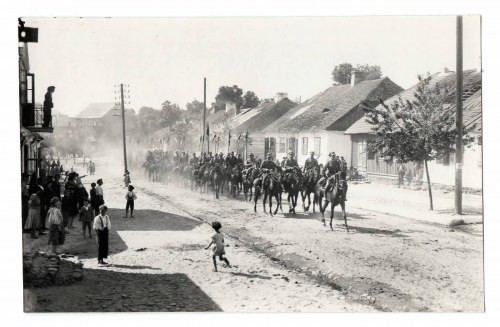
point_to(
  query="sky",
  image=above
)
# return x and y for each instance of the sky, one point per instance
(167, 58)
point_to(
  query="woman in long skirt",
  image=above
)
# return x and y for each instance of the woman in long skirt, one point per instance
(55, 224)
(33, 221)
(102, 224)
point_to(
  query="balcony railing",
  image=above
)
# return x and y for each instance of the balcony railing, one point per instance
(34, 119)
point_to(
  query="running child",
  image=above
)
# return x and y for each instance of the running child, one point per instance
(219, 248)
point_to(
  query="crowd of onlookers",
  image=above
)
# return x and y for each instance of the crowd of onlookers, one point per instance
(53, 199)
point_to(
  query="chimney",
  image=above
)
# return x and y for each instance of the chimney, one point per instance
(280, 96)
(357, 76)
(230, 106)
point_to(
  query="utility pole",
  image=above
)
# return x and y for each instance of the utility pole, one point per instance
(204, 112)
(459, 123)
(122, 105)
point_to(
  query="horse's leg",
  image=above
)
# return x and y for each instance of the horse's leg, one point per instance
(277, 196)
(264, 202)
(331, 214)
(303, 195)
(288, 200)
(255, 199)
(271, 204)
(323, 211)
(342, 205)
(281, 201)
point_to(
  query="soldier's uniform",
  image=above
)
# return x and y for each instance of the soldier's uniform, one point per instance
(332, 167)
(310, 164)
(251, 163)
(268, 164)
(290, 162)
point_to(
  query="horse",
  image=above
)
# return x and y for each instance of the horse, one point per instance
(248, 176)
(308, 186)
(271, 184)
(292, 185)
(218, 179)
(235, 178)
(335, 193)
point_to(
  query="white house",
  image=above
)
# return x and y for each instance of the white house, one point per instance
(441, 171)
(318, 124)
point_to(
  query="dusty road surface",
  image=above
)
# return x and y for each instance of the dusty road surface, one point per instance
(282, 263)
(386, 261)
(158, 263)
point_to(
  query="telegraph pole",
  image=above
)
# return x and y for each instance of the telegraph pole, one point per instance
(459, 123)
(204, 112)
(123, 125)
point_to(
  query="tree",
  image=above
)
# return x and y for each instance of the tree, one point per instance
(341, 74)
(194, 110)
(170, 113)
(229, 93)
(250, 100)
(421, 129)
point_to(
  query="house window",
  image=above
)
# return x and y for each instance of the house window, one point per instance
(317, 146)
(370, 154)
(282, 145)
(292, 144)
(305, 145)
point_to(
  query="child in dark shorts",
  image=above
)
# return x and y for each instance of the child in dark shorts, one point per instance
(219, 248)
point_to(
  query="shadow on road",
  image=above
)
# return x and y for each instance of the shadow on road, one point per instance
(384, 232)
(250, 275)
(136, 267)
(151, 220)
(105, 290)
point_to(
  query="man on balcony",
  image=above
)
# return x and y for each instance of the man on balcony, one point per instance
(47, 107)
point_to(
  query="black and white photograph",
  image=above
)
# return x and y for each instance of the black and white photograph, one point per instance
(250, 164)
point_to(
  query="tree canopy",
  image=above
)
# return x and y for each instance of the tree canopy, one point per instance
(250, 100)
(420, 129)
(341, 74)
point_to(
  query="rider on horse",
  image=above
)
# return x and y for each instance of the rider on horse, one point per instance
(310, 163)
(251, 162)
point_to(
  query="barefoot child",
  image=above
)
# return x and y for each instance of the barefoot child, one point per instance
(218, 249)
(86, 217)
(131, 197)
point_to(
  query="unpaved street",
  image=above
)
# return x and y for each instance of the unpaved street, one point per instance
(281, 263)
(158, 263)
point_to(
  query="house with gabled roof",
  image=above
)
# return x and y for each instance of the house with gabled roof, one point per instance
(442, 170)
(318, 124)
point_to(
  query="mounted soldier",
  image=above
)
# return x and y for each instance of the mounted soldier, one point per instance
(310, 163)
(290, 161)
(251, 162)
(268, 163)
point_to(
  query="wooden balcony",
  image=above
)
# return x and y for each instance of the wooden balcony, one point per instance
(33, 119)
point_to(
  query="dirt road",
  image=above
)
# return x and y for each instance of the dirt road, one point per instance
(158, 264)
(385, 261)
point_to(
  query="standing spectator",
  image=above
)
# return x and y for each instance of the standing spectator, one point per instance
(126, 179)
(55, 224)
(33, 222)
(56, 186)
(409, 177)
(102, 224)
(70, 200)
(100, 192)
(131, 197)
(94, 200)
(47, 106)
(401, 174)
(25, 194)
(86, 216)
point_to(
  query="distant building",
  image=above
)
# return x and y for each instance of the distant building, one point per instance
(318, 124)
(442, 170)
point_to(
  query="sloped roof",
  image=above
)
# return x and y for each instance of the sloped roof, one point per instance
(256, 119)
(324, 109)
(472, 83)
(96, 110)
(473, 112)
